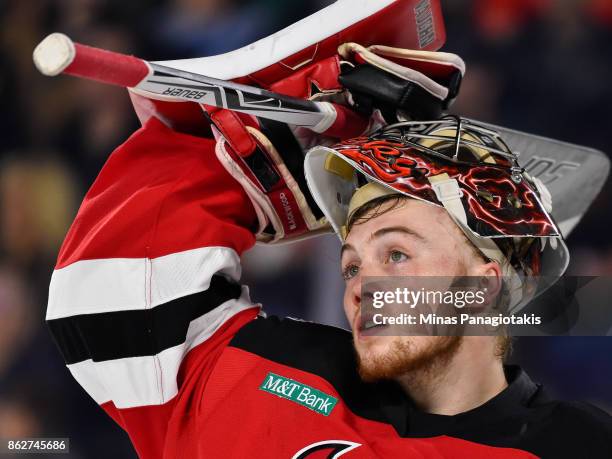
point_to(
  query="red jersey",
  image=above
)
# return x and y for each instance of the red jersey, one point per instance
(146, 306)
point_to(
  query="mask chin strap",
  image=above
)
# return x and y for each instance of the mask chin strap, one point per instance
(449, 194)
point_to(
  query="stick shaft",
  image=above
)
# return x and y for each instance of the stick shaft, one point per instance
(58, 54)
(107, 66)
(183, 85)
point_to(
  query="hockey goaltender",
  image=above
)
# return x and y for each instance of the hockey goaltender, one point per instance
(146, 306)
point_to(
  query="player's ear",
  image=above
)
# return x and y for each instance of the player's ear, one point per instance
(489, 278)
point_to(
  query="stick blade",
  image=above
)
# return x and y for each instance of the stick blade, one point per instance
(574, 174)
(54, 54)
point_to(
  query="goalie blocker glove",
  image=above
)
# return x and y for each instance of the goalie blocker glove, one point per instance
(403, 84)
(266, 157)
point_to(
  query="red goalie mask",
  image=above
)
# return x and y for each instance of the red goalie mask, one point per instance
(459, 165)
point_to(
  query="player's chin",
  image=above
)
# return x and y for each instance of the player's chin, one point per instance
(394, 356)
(378, 359)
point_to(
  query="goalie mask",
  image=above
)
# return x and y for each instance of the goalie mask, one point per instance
(465, 168)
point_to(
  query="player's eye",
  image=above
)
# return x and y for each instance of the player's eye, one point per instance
(350, 271)
(395, 256)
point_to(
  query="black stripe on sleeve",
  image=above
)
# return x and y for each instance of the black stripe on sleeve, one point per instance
(136, 333)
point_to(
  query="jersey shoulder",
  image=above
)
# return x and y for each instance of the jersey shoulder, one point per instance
(322, 350)
(304, 345)
(584, 419)
(572, 429)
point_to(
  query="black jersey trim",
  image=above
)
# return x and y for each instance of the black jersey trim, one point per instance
(137, 333)
(321, 350)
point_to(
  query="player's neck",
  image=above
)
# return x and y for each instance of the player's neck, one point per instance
(472, 377)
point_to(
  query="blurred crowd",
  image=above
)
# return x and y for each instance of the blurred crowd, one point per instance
(537, 65)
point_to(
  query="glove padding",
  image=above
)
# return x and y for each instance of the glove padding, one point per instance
(402, 84)
(266, 157)
(272, 178)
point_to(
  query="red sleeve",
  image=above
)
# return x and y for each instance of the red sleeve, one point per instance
(148, 276)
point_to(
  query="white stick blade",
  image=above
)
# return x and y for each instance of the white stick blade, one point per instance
(54, 54)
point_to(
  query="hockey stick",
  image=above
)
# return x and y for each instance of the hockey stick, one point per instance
(58, 54)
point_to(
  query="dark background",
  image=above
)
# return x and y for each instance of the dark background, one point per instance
(537, 65)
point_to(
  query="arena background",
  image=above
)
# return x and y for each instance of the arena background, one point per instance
(537, 65)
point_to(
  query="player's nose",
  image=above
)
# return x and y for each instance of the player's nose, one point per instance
(357, 291)
(356, 294)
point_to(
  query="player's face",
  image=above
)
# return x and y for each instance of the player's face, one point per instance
(414, 239)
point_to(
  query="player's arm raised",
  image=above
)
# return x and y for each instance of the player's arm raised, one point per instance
(146, 287)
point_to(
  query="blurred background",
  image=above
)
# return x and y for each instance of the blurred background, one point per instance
(536, 65)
